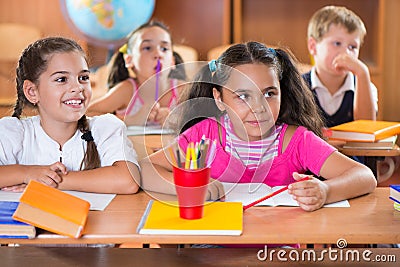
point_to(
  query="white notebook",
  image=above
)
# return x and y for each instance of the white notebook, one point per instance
(97, 201)
(250, 192)
(151, 129)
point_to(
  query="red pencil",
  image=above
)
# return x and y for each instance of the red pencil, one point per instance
(272, 194)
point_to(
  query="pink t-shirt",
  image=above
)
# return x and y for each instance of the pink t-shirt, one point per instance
(305, 151)
(137, 102)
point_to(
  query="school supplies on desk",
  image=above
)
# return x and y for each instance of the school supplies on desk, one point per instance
(248, 193)
(396, 205)
(363, 130)
(394, 192)
(387, 143)
(10, 228)
(53, 210)
(274, 193)
(220, 218)
(198, 155)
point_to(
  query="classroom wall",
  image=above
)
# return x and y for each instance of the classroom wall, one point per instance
(208, 23)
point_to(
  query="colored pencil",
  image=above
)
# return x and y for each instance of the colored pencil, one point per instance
(211, 153)
(172, 155)
(187, 157)
(158, 69)
(194, 156)
(178, 158)
(272, 194)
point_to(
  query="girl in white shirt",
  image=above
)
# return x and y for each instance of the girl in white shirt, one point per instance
(60, 147)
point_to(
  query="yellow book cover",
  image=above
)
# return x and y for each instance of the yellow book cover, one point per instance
(219, 218)
(364, 130)
(53, 210)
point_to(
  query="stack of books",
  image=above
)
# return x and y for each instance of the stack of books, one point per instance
(10, 228)
(366, 134)
(395, 195)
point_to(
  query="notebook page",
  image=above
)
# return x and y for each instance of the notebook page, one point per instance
(250, 192)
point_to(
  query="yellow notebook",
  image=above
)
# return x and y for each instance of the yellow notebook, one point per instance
(219, 218)
(364, 130)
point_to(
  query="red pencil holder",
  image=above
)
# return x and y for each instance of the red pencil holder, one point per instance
(191, 189)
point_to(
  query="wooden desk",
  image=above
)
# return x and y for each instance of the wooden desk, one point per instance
(147, 144)
(371, 219)
(371, 156)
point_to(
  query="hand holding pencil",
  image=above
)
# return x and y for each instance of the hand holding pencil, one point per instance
(311, 194)
(307, 177)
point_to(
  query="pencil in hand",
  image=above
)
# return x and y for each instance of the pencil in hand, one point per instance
(273, 194)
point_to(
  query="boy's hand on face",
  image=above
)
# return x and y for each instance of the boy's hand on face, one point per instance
(310, 194)
(346, 62)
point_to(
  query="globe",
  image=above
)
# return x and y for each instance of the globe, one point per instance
(106, 22)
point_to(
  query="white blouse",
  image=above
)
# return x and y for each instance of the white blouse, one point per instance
(23, 141)
(331, 103)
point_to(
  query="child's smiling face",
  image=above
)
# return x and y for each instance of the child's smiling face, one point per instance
(63, 91)
(252, 100)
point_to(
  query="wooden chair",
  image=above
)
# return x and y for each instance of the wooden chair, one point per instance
(215, 52)
(187, 53)
(14, 38)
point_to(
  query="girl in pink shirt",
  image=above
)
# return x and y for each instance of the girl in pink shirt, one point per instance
(252, 101)
(143, 64)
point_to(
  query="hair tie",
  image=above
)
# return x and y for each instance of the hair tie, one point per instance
(212, 65)
(271, 50)
(87, 136)
(123, 49)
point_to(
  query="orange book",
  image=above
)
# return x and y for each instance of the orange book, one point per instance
(364, 130)
(53, 210)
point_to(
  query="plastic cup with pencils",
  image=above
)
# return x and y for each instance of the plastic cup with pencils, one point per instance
(191, 174)
(191, 188)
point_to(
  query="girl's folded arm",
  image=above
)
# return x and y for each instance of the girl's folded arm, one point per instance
(346, 178)
(157, 174)
(120, 178)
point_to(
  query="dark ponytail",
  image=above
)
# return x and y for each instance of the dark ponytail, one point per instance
(199, 103)
(298, 105)
(118, 71)
(91, 159)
